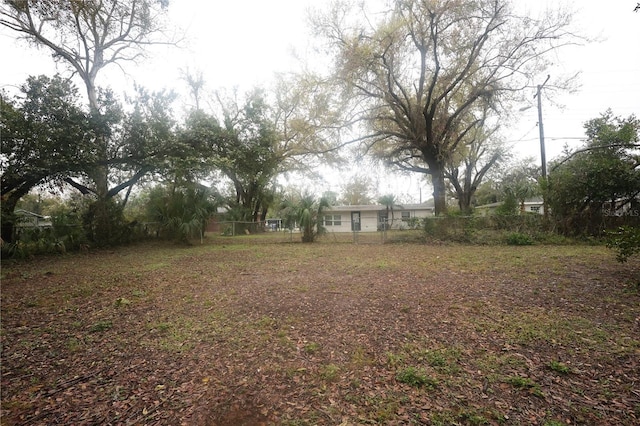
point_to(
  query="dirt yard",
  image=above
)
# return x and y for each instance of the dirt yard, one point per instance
(261, 331)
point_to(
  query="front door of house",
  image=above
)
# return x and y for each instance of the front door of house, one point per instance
(355, 221)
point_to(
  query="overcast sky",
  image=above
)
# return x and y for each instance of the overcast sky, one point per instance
(242, 43)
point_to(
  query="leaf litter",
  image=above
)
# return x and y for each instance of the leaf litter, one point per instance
(253, 331)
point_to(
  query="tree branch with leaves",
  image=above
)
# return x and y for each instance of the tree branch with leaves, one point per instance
(420, 76)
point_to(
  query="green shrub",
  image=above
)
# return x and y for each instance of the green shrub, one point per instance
(626, 241)
(518, 239)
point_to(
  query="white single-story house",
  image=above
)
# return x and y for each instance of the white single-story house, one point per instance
(371, 218)
(27, 219)
(530, 206)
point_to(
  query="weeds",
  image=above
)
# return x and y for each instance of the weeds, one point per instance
(524, 383)
(416, 378)
(329, 372)
(101, 326)
(559, 367)
(311, 347)
(518, 239)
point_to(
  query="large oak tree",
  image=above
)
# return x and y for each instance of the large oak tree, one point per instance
(45, 134)
(254, 138)
(421, 75)
(88, 36)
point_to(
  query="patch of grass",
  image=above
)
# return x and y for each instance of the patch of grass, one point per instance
(182, 333)
(74, 345)
(31, 303)
(329, 372)
(155, 266)
(548, 326)
(416, 377)
(525, 383)
(101, 326)
(138, 293)
(385, 409)
(444, 360)
(161, 326)
(266, 322)
(473, 418)
(311, 347)
(382, 264)
(443, 419)
(394, 360)
(360, 358)
(492, 365)
(559, 367)
(84, 289)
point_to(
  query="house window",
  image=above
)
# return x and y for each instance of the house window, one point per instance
(333, 220)
(535, 209)
(406, 216)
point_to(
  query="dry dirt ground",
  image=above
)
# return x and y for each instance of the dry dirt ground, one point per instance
(261, 331)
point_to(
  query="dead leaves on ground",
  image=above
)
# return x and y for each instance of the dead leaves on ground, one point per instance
(273, 333)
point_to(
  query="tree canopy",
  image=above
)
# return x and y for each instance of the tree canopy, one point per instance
(423, 75)
(44, 140)
(88, 36)
(600, 179)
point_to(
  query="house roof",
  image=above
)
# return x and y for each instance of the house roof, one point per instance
(22, 212)
(379, 207)
(529, 202)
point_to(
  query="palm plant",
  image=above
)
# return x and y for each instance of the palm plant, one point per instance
(521, 190)
(389, 201)
(182, 212)
(306, 213)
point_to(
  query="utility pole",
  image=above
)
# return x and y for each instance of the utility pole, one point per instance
(543, 156)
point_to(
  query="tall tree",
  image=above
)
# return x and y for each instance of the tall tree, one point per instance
(45, 139)
(88, 36)
(470, 163)
(304, 113)
(254, 140)
(243, 145)
(356, 191)
(421, 76)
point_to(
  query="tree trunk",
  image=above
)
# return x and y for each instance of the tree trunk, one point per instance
(8, 207)
(439, 190)
(8, 220)
(464, 201)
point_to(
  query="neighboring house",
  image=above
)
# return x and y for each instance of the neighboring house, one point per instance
(623, 207)
(273, 224)
(530, 206)
(27, 219)
(371, 218)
